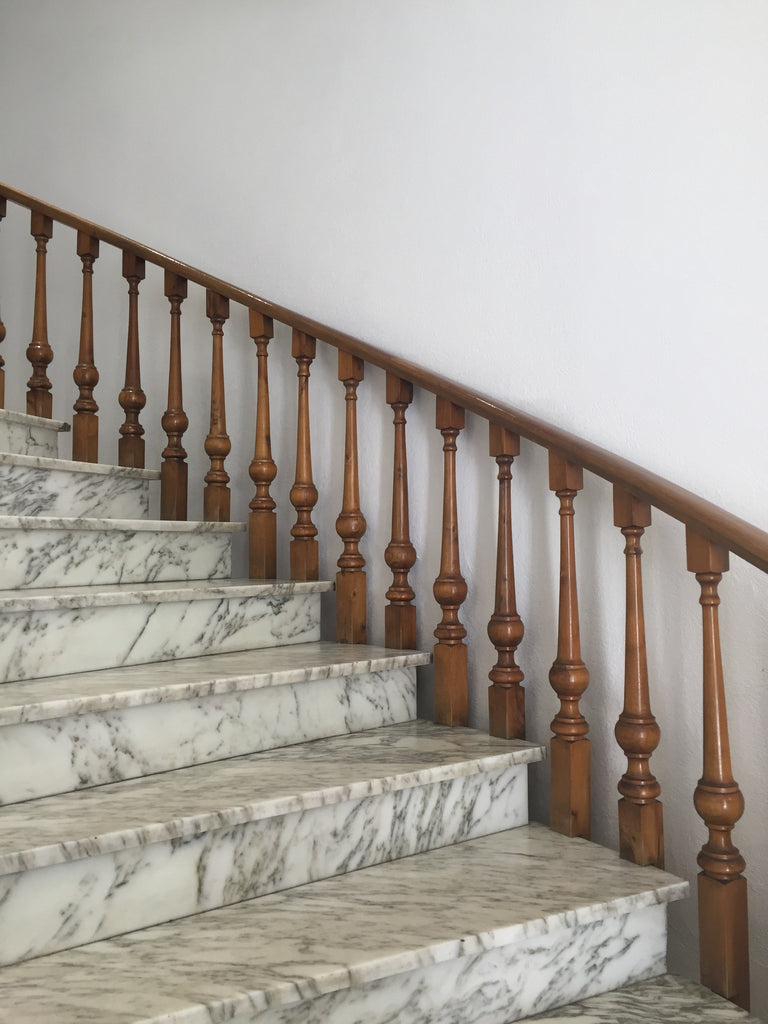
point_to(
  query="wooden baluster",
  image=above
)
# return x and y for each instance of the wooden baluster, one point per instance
(216, 496)
(506, 697)
(39, 352)
(174, 472)
(450, 588)
(641, 823)
(351, 594)
(85, 422)
(130, 447)
(3, 209)
(304, 546)
(722, 888)
(400, 556)
(570, 786)
(262, 521)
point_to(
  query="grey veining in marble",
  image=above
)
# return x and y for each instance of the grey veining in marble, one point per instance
(85, 628)
(40, 551)
(33, 485)
(568, 919)
(21, 434)
(663, 1000)
(208, 860)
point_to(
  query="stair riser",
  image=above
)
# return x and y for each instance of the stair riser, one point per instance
(58, 755)
(32, 491)
(51, 908)
(43, 643)
(29, 439)
(46, 558)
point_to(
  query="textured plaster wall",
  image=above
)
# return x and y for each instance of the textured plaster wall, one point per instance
(562, 204)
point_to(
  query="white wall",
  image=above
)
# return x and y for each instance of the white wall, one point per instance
(562, 204)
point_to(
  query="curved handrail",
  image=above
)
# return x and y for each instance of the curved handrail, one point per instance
(714, 523)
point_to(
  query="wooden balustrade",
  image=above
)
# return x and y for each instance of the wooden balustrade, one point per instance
(85, 422)
(722, 888)
(450, 589)
(400, 555)
(351, 594)
(506, 697)
(216, 495)
(130, 447)
(569, 748)
(304, 546)
(262, 520)
(39, 351)
(641, 828)
(3, 209)
(174, 472)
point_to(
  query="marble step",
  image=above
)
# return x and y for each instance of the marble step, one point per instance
(77, 629)
(666, 999)
(41, 551)
(32, 485)
(488, 930)
(88, 865)
(69, 732)
(21, 434)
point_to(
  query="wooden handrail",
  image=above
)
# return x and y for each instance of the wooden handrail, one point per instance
(712, 522)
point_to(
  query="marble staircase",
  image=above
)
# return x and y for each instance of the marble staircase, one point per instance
(207, 813)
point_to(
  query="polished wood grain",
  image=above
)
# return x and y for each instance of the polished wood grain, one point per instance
(400, 554)
(304, 546)
(216, 495)
(351, 591)
(570, 799)
(85, 422)
(3, 210)
(174, 472)
(262, 519)
(506, 697)
(641, 822)
(130, 447)
(450, 588)
(39, 351)
(722, 888)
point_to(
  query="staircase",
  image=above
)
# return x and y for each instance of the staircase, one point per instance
(210, 814)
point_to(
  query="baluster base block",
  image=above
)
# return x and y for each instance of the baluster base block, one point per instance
(723, 938)
(305, 560)
(506, 712)
(570, 788)
(400, 627)
(130, 451)
(262, 545)
(351, 607)
(174, 478)
(85, 437)
(641, 833)
(40, 404)
(216, 505)
(451, 692)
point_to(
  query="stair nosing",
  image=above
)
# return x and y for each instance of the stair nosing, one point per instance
(28, 419)
(68, 466)
(88, 523)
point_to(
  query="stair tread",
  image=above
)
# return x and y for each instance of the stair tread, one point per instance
(85, 523)
(27, 419)
(115, 594)
(655, 1001)
(36, 700)
(68, 466)
(337, 933)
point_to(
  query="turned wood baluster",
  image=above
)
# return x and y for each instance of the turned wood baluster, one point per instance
(641, 828)
(570, 786)
(174, 472)
(400, 555)
(130, 447)
(722, 888)
(506, 697)
(216, 496)
(450, 588)
(85, 422)
(3, 208)
(304, 546)
(351, 594)
(262, 521)
(39, 352)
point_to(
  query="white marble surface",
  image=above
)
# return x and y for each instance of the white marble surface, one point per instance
(21, 434)
(525, 915)
(62, 754)
(41, 551)
(33, 485)
(86, 628)
(374, 799)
